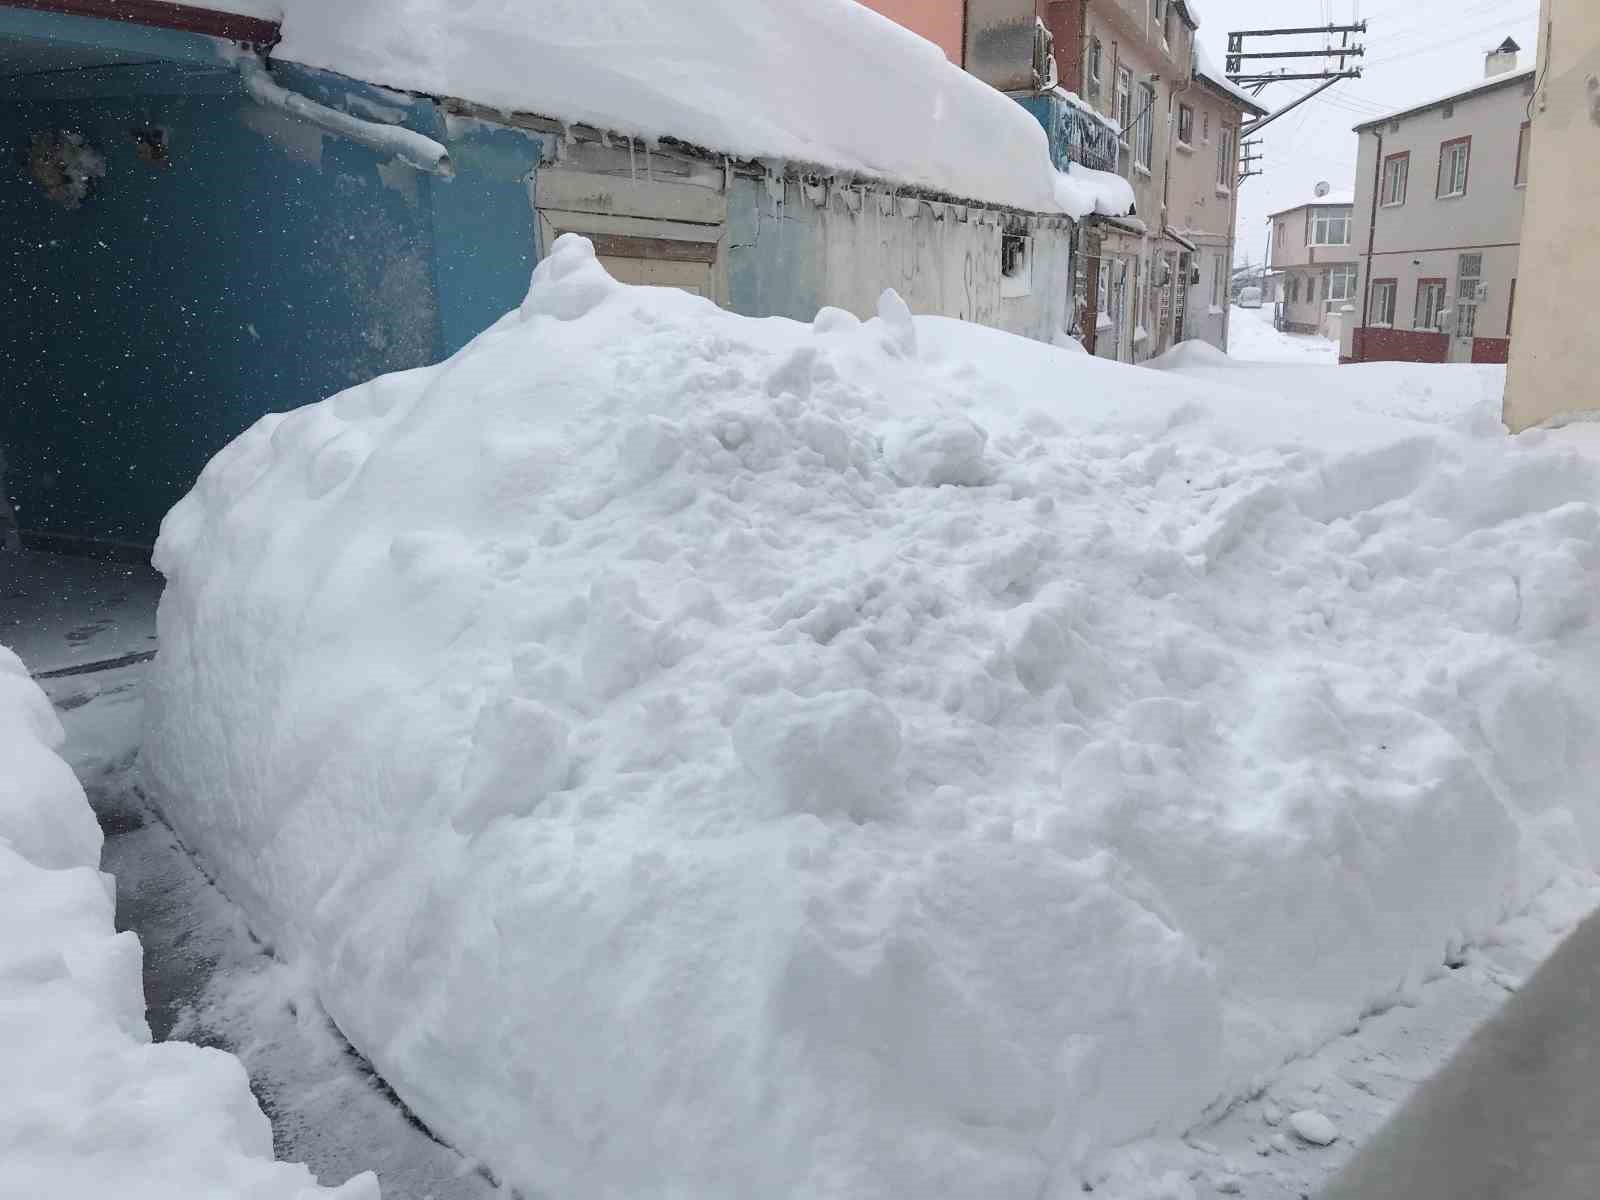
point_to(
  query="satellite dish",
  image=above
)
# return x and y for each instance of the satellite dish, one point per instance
(1323, 189)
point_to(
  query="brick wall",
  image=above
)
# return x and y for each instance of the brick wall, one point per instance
(1064, 19)
(1491, 350)
(1399, 345)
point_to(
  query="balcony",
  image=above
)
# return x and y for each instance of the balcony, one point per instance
(1077, 133)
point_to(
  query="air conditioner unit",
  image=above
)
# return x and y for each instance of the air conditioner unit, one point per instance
(1044, 57)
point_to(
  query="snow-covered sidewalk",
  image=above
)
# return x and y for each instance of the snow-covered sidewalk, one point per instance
(694, 754)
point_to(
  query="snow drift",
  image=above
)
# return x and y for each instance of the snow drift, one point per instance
(89, 1107)
(697, 755)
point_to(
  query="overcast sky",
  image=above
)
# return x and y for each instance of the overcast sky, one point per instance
(1416, 50)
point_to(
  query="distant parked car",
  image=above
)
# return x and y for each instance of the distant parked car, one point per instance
(1250, 297)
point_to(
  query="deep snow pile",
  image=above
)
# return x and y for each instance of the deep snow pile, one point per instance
(696, 755)
(88, 1105)
(874, 98)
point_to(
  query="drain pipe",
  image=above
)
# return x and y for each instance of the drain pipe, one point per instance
(1372, 234)
(408, 146)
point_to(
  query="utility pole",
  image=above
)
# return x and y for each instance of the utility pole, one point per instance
(1249, 158)
(1338, 63)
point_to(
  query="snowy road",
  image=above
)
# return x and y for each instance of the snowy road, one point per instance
(1252, 338)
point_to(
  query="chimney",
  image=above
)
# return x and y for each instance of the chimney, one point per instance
(1501, 59)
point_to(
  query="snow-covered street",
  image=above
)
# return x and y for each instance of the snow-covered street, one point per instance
(1251, 338)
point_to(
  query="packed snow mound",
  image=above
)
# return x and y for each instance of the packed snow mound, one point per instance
(714, 73)
(696, 755)
(1189, 355)
(1084, 190)
(90, 1107)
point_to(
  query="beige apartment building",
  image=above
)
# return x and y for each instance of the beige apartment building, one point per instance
(1132, 95)
(1203, 196)
(1438, 222)
(1311, 262)
(1555, 354)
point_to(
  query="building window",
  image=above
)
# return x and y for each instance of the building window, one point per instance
(1096, 56)
(1145, 130)
(1341, 283)
(1396, 171)
(1125, 102)
(1453, 158)
(1205, 127)
(1521, 177)
(1330, 227)
(1469, 278)
(1225, 164)
(1280, 235)
(1430, 302)
(1294, 289)
(1383, 291)
(1016, 266)
(1186, 124)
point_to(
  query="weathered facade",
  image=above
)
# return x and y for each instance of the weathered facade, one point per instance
(1438, 223)
(1311, 261)
(1154, 280)
(1554, 355)
(198, 238)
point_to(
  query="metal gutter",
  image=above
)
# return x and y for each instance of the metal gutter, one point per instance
(408, 146)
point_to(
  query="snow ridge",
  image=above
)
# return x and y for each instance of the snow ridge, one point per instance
(696, 755)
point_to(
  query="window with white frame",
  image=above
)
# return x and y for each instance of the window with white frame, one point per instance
(1125, 102)
(1430, 303)
(1469, 277)
(1186, 124)
(1330, 227)
(1396, 169)
(1226, 167)
(1144, 138)
(1341, 283)
(1454, 157)
(1093, 66)
(1383, 302)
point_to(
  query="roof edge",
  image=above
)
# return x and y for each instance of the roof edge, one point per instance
(163, 14)
(1483, 85)
(1234, 99)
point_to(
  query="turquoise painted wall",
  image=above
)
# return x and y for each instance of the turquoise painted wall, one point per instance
(266, 265)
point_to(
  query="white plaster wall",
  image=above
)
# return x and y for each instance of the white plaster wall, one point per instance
(941, 261)
(1555, 356)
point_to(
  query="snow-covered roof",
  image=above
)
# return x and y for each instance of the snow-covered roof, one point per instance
(1206, 69)
(713, 73)
(1334, 197)
(1460, 93)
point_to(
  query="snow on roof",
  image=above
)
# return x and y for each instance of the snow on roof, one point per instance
(1206, 69)
(1336, 196)
(714, 73)
(1460, 93)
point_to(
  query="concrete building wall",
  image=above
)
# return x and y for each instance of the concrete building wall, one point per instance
(796, 246)
(1554, 356)
(1203, 208)
(1421, 240)
(939, 21)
